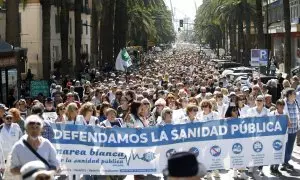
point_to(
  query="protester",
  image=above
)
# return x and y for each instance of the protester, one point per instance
(60, 111)
(3, 108)
(111, 120)
(87, 114)
(38, 109)
(166, 117)
(293, 112)
(157, 111)
(31, 145)
(16, 117)
(207, 114)
(72, 115)
(10, 133)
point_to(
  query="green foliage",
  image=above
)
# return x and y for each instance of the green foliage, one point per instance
(215, 17)
(149, 19)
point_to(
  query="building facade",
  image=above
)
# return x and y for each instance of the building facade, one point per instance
(274, 25)
(31, 34)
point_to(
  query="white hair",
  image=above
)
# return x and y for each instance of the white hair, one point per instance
(33, 118)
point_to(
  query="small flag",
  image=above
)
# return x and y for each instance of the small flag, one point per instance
(123, 60)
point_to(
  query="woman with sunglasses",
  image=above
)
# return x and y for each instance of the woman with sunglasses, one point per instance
(60, 111)
(207, 113)
(191, 114)
(21, 153)
(166, 117)
(123, 109)
(242, 106)
(156, 113)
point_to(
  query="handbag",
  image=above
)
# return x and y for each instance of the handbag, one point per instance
(50, 167)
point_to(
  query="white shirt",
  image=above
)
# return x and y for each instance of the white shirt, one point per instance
(95, 101)
(209, 117)
(9, 137)
(222, 110)
(244, 111)
(275, 113)
(106, 123)
(79, 121)
(252, 112)
(186, 120)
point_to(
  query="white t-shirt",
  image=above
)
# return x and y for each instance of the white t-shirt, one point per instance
(209, 117)
(252, 112)
(244, 111)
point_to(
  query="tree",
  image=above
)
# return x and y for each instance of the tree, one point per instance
(78, 36)
(64, 38)
(120, 27)
(259, 22)
(96, 9)
(106, 33)
(287, 37)
(13, 28)
(46, 9)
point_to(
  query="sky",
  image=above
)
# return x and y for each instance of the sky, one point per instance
(183, 8)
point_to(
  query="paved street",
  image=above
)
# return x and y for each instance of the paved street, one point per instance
(286, 175)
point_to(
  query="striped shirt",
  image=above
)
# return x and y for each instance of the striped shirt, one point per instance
(293, 113)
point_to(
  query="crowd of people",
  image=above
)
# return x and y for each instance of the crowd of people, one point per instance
(166, 89)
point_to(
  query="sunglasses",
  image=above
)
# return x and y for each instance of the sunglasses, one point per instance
(195, 110)
(146, 103)
(8, 118)
(34, 123)
(259, 100)
(169, 112)
(204, 106)
(62, 109)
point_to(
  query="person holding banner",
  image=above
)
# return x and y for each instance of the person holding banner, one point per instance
(60, 111)
(258, 111)
(191, 114)
(242, 106)
(293, 111)
(87, 114)
(111, 120)
(166, 117)
(207, 114)
(280, 106)
(136, 118)
(72, 115)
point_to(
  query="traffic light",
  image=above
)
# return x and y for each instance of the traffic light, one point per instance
(181, 23)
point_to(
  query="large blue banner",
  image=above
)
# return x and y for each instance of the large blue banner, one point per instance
(219, 144)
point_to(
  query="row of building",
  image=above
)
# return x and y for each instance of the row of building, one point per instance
(31, 34)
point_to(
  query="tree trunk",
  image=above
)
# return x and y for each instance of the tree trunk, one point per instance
(287, 37)
(46, 34)
(248, 34)
(94, 34)
(120, 28)
(78, 35)
(240, 40)
(13, 28)
(260, 30)
(107, 33)
(64, 38)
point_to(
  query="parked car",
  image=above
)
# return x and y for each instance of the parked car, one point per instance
(238, 70)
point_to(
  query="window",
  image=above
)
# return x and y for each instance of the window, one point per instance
(70, 24)
(86, 27)
(57, 24)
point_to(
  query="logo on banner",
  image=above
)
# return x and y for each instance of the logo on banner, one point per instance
(195, 151)
(215, 151)
(258, 146)
(277, 145)
(237, 148)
